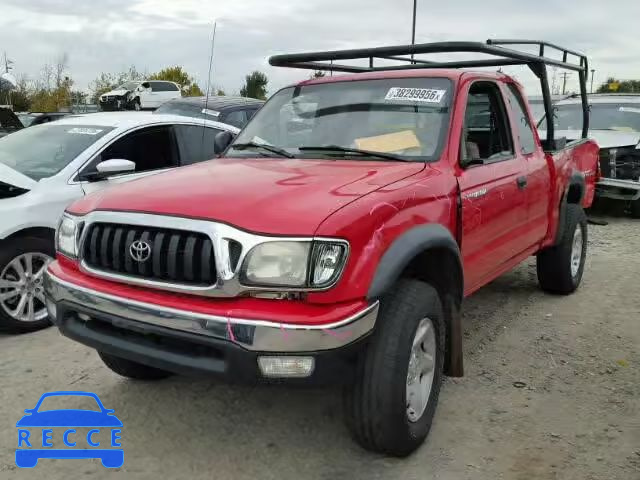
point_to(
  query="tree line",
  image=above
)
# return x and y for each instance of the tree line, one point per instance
(612, 85)
(53, 89)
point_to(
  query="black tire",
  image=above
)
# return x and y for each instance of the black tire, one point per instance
(376, 403)
(554, 264)
(634, 208)
(9, 250)
(130, 369)
(137, 106)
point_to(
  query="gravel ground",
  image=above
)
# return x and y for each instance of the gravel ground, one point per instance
(552, 391)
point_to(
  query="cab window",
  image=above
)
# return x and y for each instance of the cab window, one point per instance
(486, 136)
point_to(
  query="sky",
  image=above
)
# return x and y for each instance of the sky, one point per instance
(111, 35)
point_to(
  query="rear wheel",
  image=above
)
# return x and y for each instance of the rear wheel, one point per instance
(130, 369)
(22, 265)
(391, 405)
(560, 268)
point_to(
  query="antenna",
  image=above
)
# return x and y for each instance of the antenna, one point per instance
(206, 93)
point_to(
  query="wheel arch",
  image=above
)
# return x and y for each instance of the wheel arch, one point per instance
(428, 253)
(46, 233)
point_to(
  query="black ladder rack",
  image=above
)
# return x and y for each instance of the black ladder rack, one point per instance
(499, 50)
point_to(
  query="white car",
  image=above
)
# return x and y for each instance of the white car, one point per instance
(147, 95)
(44, 168)
(614, 123)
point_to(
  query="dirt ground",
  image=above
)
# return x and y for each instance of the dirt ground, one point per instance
(552, 391)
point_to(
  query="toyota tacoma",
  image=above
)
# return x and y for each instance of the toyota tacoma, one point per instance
(337, 236)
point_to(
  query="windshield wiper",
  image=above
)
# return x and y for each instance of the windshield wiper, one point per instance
(264, 146)
(357, 151)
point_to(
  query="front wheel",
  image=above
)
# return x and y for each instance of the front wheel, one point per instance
(391, 405)
(136, 105)
(23, 262)
(560, 268)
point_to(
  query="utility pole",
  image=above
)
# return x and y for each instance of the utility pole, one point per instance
(592, 74)
(413, 30)
(564, 82)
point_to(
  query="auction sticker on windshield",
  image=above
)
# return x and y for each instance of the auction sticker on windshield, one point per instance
(85, 131)
(426, 95)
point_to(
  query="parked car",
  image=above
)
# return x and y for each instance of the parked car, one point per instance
(236, 111)
(145, 95)
(338, 252)
(615, 126)
(9, 122)
(44, 168)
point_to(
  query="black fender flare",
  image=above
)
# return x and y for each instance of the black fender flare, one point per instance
(409, 248)
(404, 249)
(576, 188)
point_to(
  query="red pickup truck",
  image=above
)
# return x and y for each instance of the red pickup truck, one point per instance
(336, 237)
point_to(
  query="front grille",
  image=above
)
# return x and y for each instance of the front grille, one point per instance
(176, 256)
(624, 165)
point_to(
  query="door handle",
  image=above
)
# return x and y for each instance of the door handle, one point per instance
(522, 182)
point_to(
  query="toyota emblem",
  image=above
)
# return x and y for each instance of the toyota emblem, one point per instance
(140, 251)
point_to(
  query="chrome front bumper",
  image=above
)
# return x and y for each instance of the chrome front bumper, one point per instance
(253, 335)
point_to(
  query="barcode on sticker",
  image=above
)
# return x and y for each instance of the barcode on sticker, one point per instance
(85, 131)
(426, 95)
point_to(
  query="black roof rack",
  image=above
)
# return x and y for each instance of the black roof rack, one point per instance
(497, 49)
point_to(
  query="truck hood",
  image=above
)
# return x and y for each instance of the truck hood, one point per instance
(604, 138)
(274, 196)
(11, 177)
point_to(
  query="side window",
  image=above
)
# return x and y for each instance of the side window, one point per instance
(196, 143)
(486, 135)
(149, 148)
(523, 124)
(171, 87)
(156, 86)
(236, 118)
(251, 113)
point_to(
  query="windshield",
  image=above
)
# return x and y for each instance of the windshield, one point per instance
(128, 86)
(25, 118)
(407, 117)
(603, 116)
(42, 151)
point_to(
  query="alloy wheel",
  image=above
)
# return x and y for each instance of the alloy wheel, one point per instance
(21, 287)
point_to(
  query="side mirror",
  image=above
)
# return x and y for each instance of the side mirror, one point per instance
(221, 141)
(115, 166)
(108, 168)
(145, 85)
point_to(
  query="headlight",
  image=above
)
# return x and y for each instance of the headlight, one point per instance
(67, 236)
(294, 264)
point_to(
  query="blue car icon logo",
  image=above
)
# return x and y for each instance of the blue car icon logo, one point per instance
(32, 446)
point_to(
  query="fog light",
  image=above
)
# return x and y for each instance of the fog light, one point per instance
(286, 367)
(51, 309)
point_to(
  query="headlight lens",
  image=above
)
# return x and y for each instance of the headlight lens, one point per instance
(287, 263)
(277, 263)
(67, 236)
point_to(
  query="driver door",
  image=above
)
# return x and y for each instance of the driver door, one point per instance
(152, 149)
